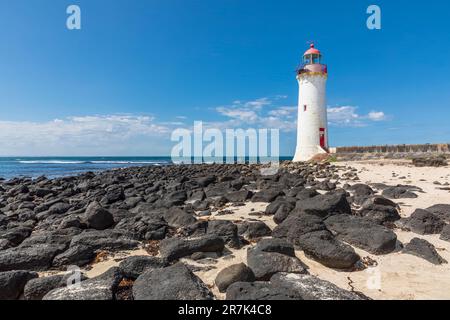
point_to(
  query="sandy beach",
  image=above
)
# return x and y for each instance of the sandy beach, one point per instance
(394, 276)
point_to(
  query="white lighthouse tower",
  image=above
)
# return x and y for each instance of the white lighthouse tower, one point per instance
(312, 129)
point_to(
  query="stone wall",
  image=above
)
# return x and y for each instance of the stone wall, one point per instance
(403, 148)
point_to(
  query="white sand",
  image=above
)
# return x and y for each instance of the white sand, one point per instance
(381, 171)
(402, 276)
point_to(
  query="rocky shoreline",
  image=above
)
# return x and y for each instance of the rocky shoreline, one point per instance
(181, 222)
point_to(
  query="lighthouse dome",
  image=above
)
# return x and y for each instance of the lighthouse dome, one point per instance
(312, 50)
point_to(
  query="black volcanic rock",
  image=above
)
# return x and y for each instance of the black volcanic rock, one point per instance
(270, 256)
(445, 235)
(13, 282)
(102, 287)
(176, 248)
(177, 218)
(423, 249)
(98, 217)
(312, 288)
(225, 229)
(267, 195)
(234, 273)
(133, 267)
(398, 192)
(259, 290)
(254, 230)
(176, 282)
(324, 248)
(36, 258)
(362, 233)
(323, 205)
(441, 210)
(424, 222)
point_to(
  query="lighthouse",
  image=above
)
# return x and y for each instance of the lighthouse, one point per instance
(312, 128)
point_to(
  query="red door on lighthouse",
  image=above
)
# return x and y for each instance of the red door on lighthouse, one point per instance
(322, 137)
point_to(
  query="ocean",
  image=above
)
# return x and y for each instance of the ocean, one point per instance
(53, 167)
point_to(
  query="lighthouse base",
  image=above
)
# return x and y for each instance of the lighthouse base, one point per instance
(307, 153)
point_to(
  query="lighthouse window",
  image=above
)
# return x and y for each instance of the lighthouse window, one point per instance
(315, 58)
(304, 107)
(307, 59)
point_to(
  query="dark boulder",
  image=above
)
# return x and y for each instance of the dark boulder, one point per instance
(145, 226)
(424, 222)
(398, 192)
(306, 194)
(360, 189)
(254, 230)
(309, 287)
(362, 233)
(270, 256)
(258, 290)
(423, 249)
(273, 207)
(378, 200)
(234, 273)
(324, 205)
(42, 192)
(239, 196)
(176, 282)
(267, 195)
(178, 218)
(275, 245)
(296, 225)
(176, 248)
(58, 208)
(16, 235)
(106, 239)
(445, 235)
(102, 287)
(84, 246)
(78, 255)
(37, 288)
(58, 238)
(280, 209)
(113, 194)
(380, 214)
(98, 217)
(13, 282)
(441, 210)
(324, 248)
(133, 267)
(225, 229)
(72, 222)
(219, 189)
(205, 181)
(36, 258)
(175, 198)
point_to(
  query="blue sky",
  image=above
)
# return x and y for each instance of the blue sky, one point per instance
(140, 68)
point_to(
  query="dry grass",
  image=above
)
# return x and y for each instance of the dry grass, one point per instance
(101, 256)
(152, 247)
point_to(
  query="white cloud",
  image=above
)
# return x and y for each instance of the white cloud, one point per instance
(259, 113)
(252, 113)
(80, 135)
(344, 115)
(240, 114)
(283, 112)
(377, 116)
(348, 116)
(144, 135)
